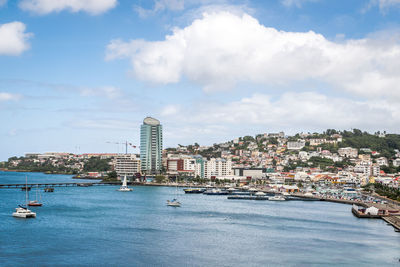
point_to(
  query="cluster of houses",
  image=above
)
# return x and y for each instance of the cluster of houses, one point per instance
(263, 159)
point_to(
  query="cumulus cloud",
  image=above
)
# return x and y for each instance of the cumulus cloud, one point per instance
(13, 38)
(43, 7)
(222, 49)
(8, 96)
(291, 112)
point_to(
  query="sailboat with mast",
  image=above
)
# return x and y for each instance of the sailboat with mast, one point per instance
(124, 187)
(174, 202)
(36, 202)
(21, 211)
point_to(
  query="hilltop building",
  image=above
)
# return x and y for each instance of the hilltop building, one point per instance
(151, 146)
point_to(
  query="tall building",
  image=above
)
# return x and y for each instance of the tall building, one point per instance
(151, 146)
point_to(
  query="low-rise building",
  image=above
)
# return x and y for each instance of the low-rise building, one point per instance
(348, 152)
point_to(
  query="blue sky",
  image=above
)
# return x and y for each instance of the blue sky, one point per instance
(77, 74)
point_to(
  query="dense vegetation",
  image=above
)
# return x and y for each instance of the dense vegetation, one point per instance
(27, 165)
(384, 190)
(95, 164)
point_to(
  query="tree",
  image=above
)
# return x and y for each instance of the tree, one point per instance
(160, 178)
(95, 164)
(112, 175)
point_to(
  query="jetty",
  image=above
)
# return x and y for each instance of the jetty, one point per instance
(47, 185)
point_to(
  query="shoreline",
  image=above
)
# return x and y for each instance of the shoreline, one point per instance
(44, 172)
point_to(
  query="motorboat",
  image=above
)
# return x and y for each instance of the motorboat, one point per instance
(124, 187)
(23, 212)
(259, 194)
(173, 203)
(194, 190)
(277, 198)
(216, 192)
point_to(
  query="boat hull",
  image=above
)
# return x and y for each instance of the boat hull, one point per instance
(35, 204)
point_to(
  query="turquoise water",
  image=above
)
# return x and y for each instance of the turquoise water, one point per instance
(103, 227)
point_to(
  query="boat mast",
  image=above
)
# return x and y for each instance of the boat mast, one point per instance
(26, 191)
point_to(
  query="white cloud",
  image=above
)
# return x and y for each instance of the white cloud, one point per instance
(9, 97)
(293, 112)
(42, 7)
(296, 3)
(3, 2)
(13, 38)
(222, 49)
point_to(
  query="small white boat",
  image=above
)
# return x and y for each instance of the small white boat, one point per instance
(277, 198)
(124, 187)
(260, 194)
(23, 212)
(173, 203)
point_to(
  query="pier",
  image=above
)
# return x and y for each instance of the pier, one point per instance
(45, 185)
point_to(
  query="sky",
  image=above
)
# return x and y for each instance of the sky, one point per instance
(81, 75)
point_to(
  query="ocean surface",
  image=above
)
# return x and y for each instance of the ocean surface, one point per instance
(99, 226)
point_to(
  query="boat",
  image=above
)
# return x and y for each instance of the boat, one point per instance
(36, 202)
(231, 189)
(84, 184)
(259, 194)
(49, 189)
(216, 192)
(277, 198)
(24, 212)
(174, 202)
(194, 190)
(124, 187)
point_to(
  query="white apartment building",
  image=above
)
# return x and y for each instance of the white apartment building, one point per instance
(382, 161)
(127, 164)
(317, 142)
(189, 164)
(348, 152)
(217, 167)
(296, 145)
(367, 169)
(396, 162)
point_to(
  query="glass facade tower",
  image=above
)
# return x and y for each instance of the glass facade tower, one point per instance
(151, 146)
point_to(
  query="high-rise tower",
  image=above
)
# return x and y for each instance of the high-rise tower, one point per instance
(151, 146)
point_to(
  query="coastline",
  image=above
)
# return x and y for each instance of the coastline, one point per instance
(44, 172)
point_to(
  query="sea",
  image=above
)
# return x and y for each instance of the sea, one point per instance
(99, 226)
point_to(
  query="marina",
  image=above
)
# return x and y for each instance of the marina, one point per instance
(288, 232)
